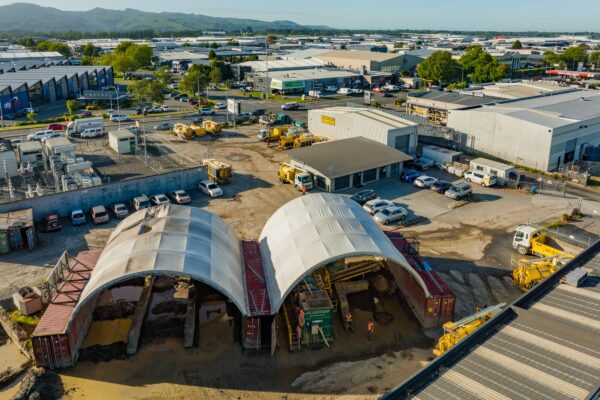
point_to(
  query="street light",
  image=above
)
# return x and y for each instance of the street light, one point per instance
(118, 107)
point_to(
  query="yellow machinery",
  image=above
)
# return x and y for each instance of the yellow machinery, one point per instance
(305, 140)
(298, 178)
(287, 142)
(217, 171)
(198, 130)
(212, 127)
(529, 273)
(454, 332)
(183, 131)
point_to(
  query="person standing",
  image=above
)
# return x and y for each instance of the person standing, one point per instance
(348, 320)
(370, 329)
(303, 190)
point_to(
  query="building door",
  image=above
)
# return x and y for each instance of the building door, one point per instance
(402, 143)
(357, 179)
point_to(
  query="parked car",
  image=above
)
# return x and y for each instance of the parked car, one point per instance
(440, 186)
(28, 110)
(159, 200)
(258, 112)
(134, 129)
(39, 135)
(56, 127)
(459, 191)
(206, 111)
(119, 118)
(51, 223)
(409, 175)
(184, 99)
(155, 110)
(8, 116)
(16, 141)
(100, 215)
(376, 90)
(84, 113)
(424, 163)
(51, 136)
(290, 106)
(119, 210)
(220, 106)
(330, 89)
(166, 109)
(376, 205)
(92, 133)
(179, 197)
(362, 196)
(391, 214)
(386, 94)
(163, 126)
(480, 178)
(197, 121)
(424, 181)
(77, 217)
(210, 188)
(173, 86)
(140, 202)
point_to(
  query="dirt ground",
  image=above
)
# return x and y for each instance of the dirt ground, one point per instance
(469, 245)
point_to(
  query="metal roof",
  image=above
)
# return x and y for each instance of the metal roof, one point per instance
(305, 54)
(465, 100)
(359, 55)
(347, 156)
(14, 55)
(312, 231)
(545, 345)
(309, 74)
(261, 66)
(385, 120)
(171, 240)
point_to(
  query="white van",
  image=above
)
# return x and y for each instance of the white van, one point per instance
(92, 132)
(344, 91)
(315, 93)
(480, 178)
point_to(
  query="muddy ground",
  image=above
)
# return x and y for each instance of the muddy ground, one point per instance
(469, 245)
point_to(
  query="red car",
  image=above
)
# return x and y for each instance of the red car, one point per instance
(377, 90)
(56, 127)
(51, 223)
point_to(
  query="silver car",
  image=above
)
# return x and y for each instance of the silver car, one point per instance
(391, 214)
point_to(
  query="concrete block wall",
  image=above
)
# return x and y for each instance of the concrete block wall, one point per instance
(85, 199)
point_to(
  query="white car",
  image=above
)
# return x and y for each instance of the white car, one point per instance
(480, 178)
(159, 200)
(330, 89)
(52, 136)
(425, 181)
(391, 214)
(210, 188)
(119, 118)
(166, 109)
(39, 135)
(220, 106)
(206, 111)
(376, 205)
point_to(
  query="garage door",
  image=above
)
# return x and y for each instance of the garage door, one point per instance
(402, 143)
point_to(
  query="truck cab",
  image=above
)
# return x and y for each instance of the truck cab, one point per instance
(303, 179)
(523, 237)
(295, 176)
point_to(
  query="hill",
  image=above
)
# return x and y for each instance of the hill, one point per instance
(31, 18)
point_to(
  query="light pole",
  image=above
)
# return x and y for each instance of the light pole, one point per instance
(267, 85)
(118, 107)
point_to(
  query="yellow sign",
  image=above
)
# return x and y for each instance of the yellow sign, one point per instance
(327, 120)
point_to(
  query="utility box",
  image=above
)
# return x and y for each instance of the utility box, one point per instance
(27, 300)
(31, 152)
(60, 146)
(8, 160)
(122, 141)
(440, 155)
(318, 317)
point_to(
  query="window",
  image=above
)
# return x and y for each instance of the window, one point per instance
(479, 167)
(342, 182)
(493, 172)
(321, 183)
(394, 169)
(370, 175)
(383, 172)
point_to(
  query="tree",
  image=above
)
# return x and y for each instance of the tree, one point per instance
(343, 46)
(457, 85)
(127, 57)
(517, 45)
(89, 50)
(271, 39)
(53, 46)
(595, 57)
(473, 56)
(196, 79)
(31, 116)
(481, 66)
(216, 76)
(439, 67)
(148, 90)
(574, 55)
(164, 75)
(212, 55)
(398, 45)
(554, 60)
(214, 45)
(72, 106)
(123, 46)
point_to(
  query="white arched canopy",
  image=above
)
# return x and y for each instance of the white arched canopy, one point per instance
(171, 240)
(312, 231)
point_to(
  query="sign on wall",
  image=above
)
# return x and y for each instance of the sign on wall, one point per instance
(327, 120)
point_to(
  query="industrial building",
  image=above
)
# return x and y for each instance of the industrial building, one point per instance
(435, 104)
(542, 133)
(20, 89)
(380, 126)
(246, 70)
(521, 90)
(304, 80)
(370, 60)
(342, 164)
(544, 345)
(11, 56)
(204, 268)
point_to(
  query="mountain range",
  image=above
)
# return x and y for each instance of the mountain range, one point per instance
(31, 18)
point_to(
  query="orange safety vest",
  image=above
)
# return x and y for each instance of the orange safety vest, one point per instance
(370, 326)
(348, 317)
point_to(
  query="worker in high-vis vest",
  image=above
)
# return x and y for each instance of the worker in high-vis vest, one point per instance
(370, 328)
(348, 321)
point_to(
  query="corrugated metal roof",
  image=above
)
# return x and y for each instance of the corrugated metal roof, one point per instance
(358, 55)
(261, 66)
(309, 74)
(383, 119)
(545, 345)
(465, 100)
(347, 156)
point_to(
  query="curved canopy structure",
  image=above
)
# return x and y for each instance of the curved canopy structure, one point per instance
(314, 230)
(171, 240)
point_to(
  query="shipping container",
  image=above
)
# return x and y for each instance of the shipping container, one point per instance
(439, 155)
(432, 311)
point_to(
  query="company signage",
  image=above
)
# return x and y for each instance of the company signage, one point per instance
(234, 107)
(328, 120)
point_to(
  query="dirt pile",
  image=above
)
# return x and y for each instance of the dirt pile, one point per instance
(99, 353)
(40, 384)
(119, 310)
(176, 307)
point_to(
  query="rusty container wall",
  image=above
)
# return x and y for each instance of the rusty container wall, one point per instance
(251, 334)
(79, 326)
(52, 351)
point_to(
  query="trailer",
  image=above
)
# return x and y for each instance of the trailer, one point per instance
(218, 172)
(74, 128)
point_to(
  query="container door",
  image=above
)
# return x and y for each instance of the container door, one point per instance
(30, 238)
(273, 336)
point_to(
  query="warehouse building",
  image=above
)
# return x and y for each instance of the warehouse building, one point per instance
(346, 163)
(435, 104)
(542, 133)
(304, 80)
(380, 126)
(370, 60)
(50, 84)
(246, 70)
(11, 56)
(521, 90)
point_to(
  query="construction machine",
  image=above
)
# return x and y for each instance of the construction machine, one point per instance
(198, 130)
(531, 240)
(454, 332)
(295, 176)
(217, 171)
(212, 128)
(273, 134)
(529, 273)
(183, 131)
(267, 119)
(304, 140)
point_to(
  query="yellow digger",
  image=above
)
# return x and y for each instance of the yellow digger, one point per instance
(529, 273)
(212, 128)
(454, 332)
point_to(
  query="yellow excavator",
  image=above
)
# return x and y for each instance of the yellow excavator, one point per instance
(218, 172)
(529, 273)
(454, 332)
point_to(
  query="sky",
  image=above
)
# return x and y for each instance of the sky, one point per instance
(503, 15)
